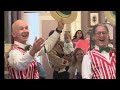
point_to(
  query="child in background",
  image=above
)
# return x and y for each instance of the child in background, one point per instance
(68, 47)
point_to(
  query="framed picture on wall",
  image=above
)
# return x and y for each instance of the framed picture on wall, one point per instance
(94, 18)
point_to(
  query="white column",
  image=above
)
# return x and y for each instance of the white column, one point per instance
(76, 25)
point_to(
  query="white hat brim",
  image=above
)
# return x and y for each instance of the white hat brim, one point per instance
(66, 20)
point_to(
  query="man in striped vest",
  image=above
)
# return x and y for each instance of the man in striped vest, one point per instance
(100, 62)
(21, 62)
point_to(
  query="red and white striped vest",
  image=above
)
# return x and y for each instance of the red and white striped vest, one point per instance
(30, 73)
(101, 68)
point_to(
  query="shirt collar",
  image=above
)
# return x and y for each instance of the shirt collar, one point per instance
(96, 47)
(20, 44)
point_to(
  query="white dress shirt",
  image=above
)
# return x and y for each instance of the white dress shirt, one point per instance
(17, 60)
(49, 43)
(86, 64)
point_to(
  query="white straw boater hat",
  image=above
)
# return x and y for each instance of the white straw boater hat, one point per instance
(67, 16)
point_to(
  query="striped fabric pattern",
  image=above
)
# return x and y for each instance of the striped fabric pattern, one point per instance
(101, 68)
(30, 73)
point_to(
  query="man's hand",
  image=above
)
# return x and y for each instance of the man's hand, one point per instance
(37, 45)
(68, 57)
(60, 25)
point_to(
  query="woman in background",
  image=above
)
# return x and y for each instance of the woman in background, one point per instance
(78, 35)
(75, 68)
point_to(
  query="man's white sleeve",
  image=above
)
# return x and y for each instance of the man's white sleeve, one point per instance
(86, 68)
(19, 61)
(49, 43)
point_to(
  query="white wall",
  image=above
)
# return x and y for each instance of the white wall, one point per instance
(76, 25)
